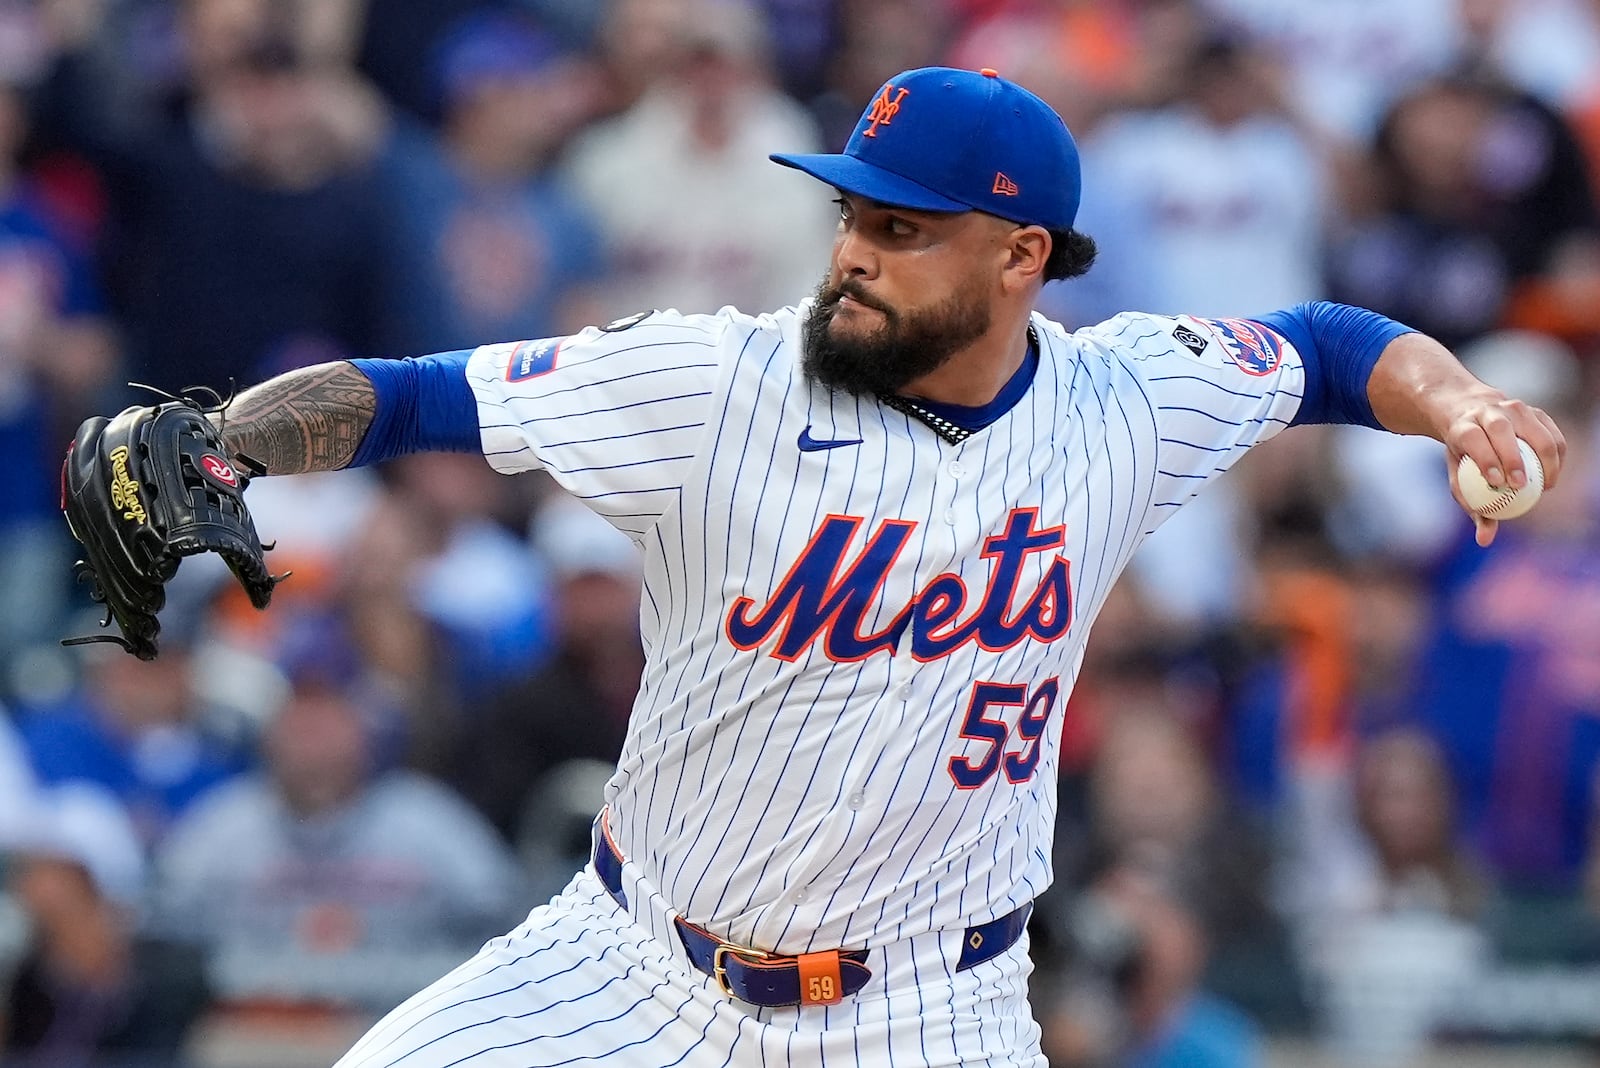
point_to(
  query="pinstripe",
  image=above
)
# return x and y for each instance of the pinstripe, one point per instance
(618, 467)
(1219, 386)
(648, 432)
(618, 977)
(697, 1043)
(1192, 445)
(475, 1054)
(651, 583)
(706, 524)
(649, 402)
(1220, 419)
(568, 360)
(606, 1056)
(686, 677)
(1105, 559)
(737, 478)
(735, 1045)
(922, 1010)
(1126, 539)
(600, 383)
(615, 492)
(456, 981)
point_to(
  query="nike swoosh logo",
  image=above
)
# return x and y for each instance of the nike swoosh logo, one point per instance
(808, 443)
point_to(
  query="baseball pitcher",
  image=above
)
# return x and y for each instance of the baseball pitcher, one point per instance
(876, 528)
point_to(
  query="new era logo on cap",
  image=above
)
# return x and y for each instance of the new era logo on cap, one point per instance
(961, 141)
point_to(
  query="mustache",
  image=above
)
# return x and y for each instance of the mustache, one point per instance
(852, 289)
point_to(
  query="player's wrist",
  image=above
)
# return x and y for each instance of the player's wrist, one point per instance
(1418, 387)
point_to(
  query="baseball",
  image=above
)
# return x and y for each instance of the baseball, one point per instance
(1503, 503)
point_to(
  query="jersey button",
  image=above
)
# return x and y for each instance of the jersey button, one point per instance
(856, 800)
(799, 896)
(950, 516)
(957, 468)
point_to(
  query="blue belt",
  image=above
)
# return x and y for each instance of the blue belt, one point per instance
(774, 980)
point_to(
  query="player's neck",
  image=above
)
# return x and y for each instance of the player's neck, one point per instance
(975, 375)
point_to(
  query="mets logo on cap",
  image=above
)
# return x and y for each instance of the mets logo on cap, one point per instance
(884, 108)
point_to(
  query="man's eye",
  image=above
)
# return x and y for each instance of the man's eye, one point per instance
(901, 228)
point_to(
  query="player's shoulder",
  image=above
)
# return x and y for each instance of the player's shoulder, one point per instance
(733, 334)
(1123, 337)
(666, 325)
(727, 327)
(724, 331)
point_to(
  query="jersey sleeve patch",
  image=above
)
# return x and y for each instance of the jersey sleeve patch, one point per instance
(530, 359)
(1189, 339)
(1252, 347)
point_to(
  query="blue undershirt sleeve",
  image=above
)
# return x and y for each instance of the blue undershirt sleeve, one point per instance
(1339, 345)
(424, 404)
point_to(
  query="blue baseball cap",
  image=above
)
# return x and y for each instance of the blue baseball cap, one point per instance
(941, 139)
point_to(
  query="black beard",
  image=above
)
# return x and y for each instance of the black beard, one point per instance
(902, 350)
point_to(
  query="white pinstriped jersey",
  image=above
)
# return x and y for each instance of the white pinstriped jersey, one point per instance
(860, 638)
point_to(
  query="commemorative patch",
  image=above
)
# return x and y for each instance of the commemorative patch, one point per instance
(530, 359)
(1255, 349)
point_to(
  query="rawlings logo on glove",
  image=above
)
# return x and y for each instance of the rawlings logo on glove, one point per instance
(124, 490)
(141, 492)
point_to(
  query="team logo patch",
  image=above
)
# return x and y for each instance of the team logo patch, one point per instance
(1190, 340)
(1257, 350)
(219, 470)
(619, 325)
(530, 359)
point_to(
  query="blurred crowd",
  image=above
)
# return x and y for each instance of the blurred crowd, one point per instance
(1331, 771)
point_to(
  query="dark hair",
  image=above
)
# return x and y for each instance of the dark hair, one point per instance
(1072, 253)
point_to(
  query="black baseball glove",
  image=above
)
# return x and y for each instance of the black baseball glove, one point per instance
(141, 492)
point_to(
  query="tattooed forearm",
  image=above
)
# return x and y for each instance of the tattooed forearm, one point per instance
(312, 419)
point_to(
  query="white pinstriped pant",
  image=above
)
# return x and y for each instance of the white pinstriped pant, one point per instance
(582, 981)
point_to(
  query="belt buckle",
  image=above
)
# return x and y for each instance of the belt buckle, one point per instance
(719, 971)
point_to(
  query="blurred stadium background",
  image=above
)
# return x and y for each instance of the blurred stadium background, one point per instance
(1332, 775)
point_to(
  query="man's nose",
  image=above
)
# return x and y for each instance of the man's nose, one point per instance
(853, 256)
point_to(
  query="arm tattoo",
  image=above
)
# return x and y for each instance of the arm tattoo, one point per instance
(312, 419)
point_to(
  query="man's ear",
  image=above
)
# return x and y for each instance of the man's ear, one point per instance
(1027, 252)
